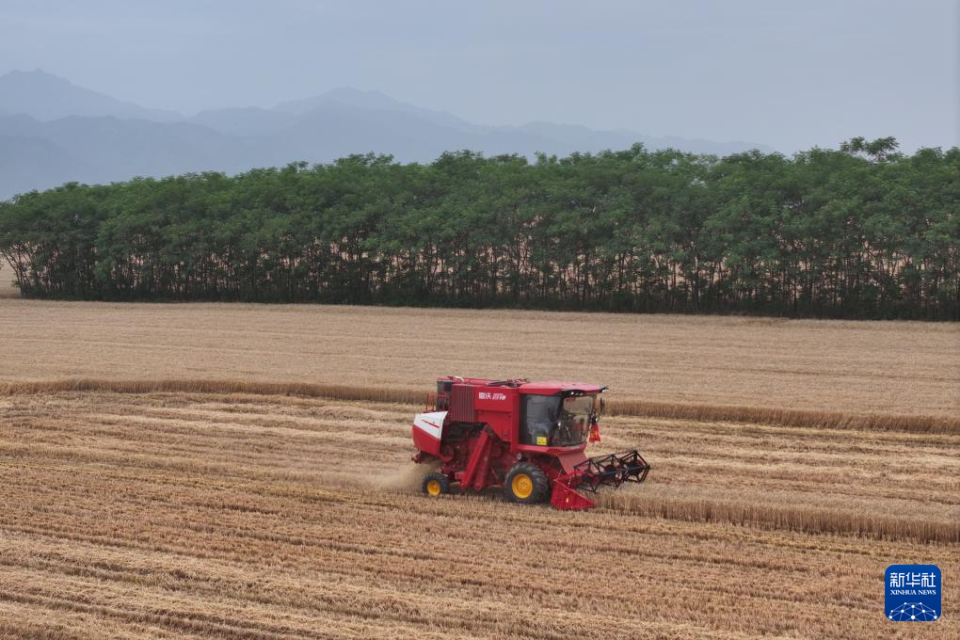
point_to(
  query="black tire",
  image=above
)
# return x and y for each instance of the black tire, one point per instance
(435, 484)
(535, 489)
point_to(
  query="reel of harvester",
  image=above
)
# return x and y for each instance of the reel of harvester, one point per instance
(611, 470)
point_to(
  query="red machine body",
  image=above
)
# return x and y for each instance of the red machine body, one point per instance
(528, 437)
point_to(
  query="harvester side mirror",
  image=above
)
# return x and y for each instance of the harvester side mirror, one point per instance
(603, 406)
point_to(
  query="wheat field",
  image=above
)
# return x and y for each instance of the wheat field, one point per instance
(250, 516)
(900, 368)
(242, 471)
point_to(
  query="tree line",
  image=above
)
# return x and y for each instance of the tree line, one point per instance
(859, 232)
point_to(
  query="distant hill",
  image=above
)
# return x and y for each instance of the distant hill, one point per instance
(245, 121)
(52, 131)
(29, 163)
(39, 155)
(48, 97)
(379, 101)
(574, 136)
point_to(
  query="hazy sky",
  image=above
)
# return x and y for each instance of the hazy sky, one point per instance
(788, 74)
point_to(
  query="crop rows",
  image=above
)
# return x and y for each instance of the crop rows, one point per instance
(238, 515)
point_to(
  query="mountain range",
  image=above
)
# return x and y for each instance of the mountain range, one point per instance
(53, 131)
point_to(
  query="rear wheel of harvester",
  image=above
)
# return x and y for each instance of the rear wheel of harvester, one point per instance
(527, 484)
(435, 484)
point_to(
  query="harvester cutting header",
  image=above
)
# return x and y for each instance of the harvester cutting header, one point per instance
(528, 437)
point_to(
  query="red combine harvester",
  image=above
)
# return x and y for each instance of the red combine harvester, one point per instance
(527, 436)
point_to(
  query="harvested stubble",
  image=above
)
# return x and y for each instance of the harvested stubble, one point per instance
(242, 516)
(849, 368)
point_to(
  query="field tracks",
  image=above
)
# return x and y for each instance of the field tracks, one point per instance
(947, 425)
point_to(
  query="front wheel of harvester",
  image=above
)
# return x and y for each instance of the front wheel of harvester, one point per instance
(435, 484)
(527, 484)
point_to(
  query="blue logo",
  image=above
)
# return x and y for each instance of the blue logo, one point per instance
(913, 592)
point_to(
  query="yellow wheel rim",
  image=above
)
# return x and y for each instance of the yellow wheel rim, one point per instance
(522, 486)
(434, 488)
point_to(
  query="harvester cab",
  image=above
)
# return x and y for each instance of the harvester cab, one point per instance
(528, 437)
